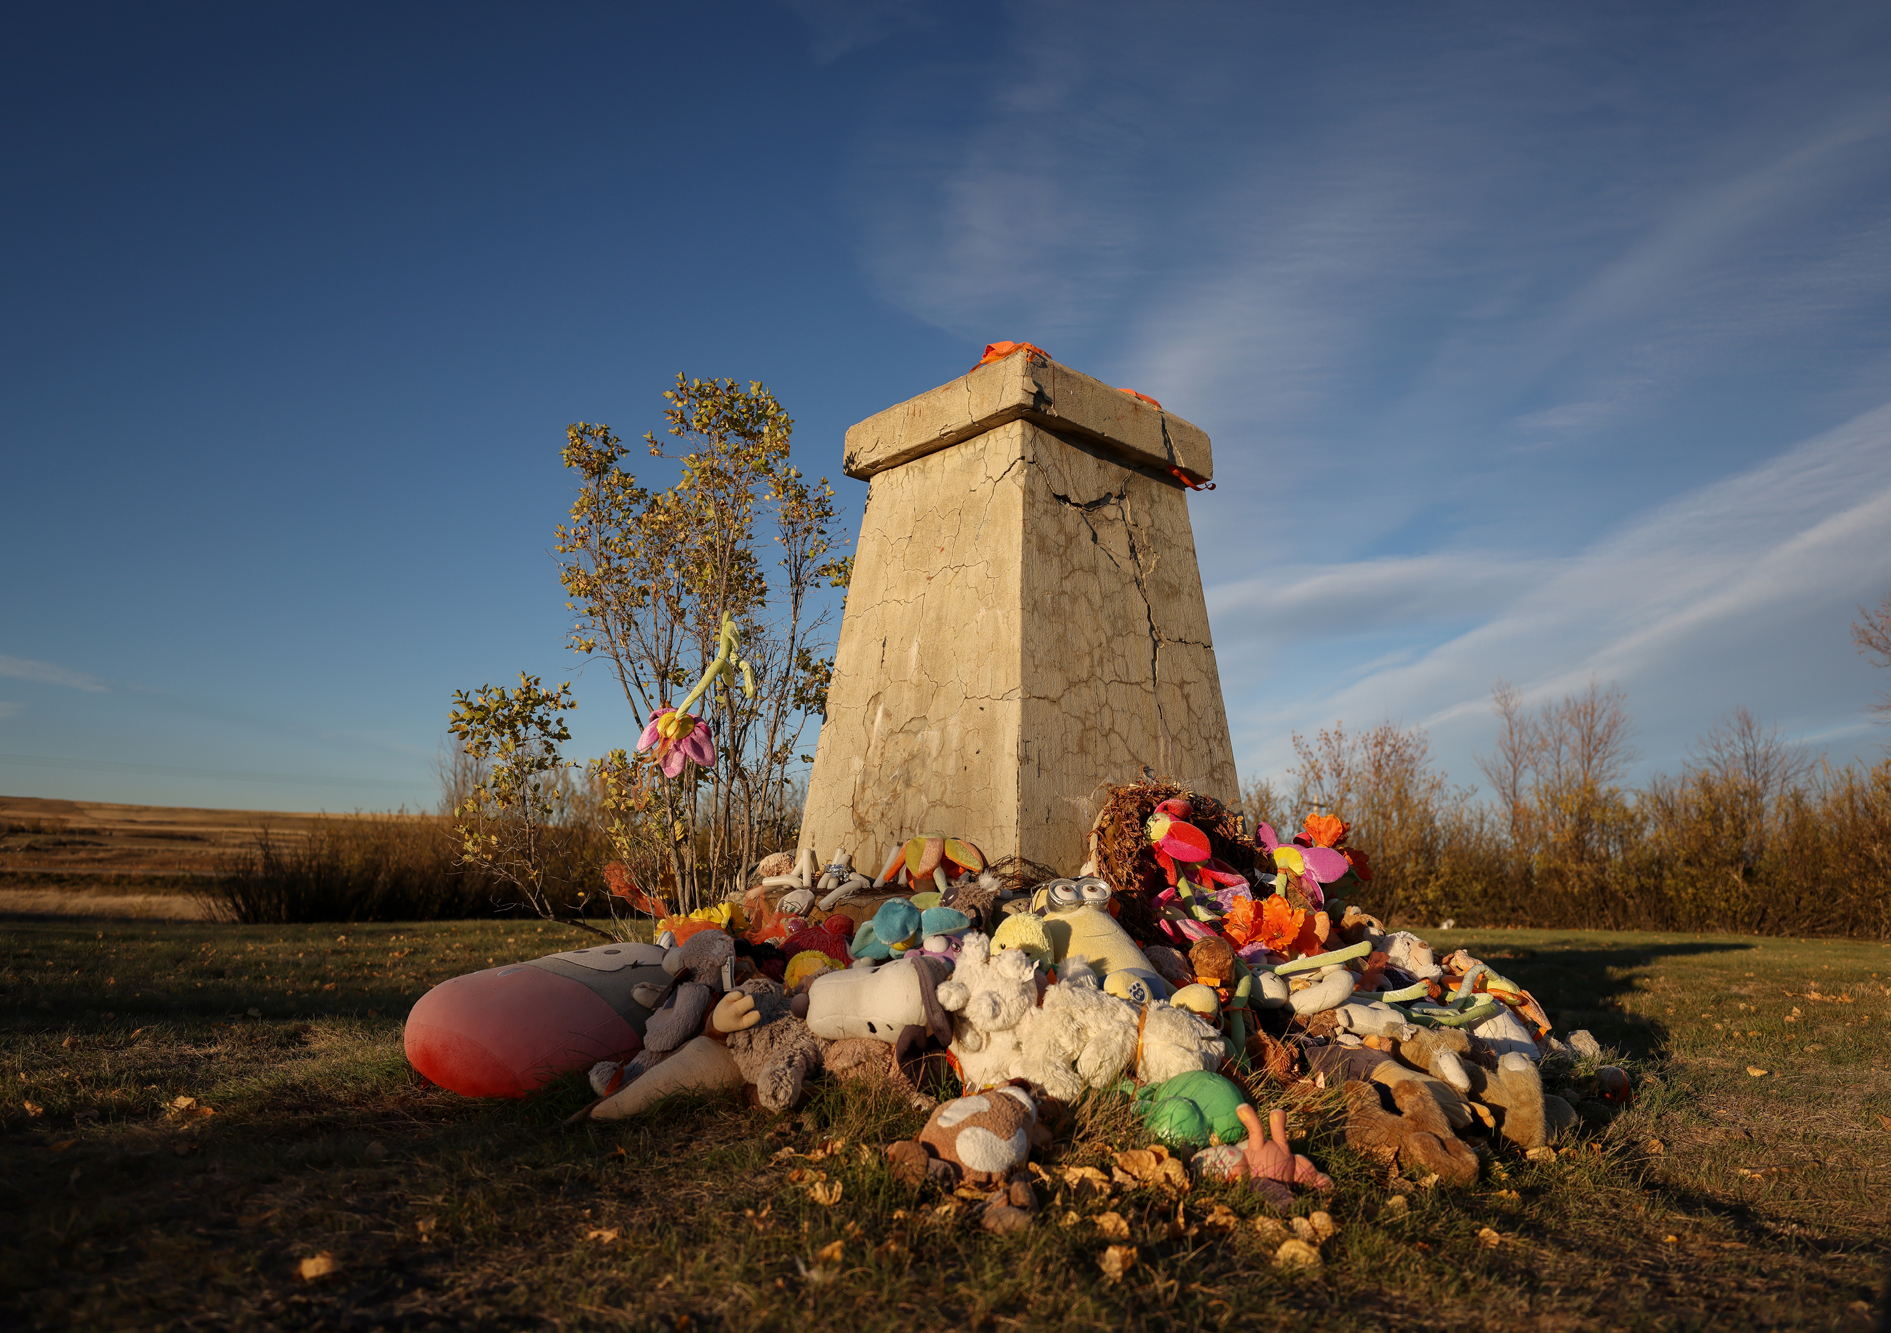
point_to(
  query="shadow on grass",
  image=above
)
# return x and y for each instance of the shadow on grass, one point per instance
(1585, 986)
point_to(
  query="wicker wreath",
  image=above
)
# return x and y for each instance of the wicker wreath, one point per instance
(1119, 845)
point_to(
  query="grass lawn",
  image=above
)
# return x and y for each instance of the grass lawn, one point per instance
(190, 1111)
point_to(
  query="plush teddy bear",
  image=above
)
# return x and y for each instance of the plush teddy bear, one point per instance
(1172, 965)
(1531, 1117)
(1173, 1041)
(772, 1048)
(989, 994)
(1079, 1037)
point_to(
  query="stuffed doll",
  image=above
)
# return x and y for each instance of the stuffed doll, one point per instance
(1078, 924)
(1024, 931)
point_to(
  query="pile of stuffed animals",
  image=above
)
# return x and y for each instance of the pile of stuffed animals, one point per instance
(992, 1007)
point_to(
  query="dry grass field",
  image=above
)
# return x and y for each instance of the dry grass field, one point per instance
(195, 1115)
(93, 859)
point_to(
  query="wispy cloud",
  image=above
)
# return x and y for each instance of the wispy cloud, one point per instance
(1738, 593)
(841, 27)
(50, 673)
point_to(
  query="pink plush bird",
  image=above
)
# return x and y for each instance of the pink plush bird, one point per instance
(1182, 849)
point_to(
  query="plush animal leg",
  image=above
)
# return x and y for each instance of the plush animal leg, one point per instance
(1559, 1117)
(1391, 1073)
(779, 1085)
(1419, 1136)
(1429, 1143)
(699, 1064)
(1517, 1089)
(1440, 1052)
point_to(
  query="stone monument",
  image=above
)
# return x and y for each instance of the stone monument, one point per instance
(1025, 624)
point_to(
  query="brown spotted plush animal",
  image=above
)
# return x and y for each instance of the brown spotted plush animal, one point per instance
(977, 1140)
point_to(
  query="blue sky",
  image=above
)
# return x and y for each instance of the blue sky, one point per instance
(1540, 342)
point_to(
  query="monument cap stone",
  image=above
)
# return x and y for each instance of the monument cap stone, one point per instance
(1027, 387)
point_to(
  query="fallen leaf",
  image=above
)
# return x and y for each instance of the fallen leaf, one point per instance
(183, 1103)
(1221, 1218)
(1756, 1071)
(1323, 1225)
(1884, 1120)
(1670, 1240)
(1488, 1237)
(830, 1254)
(1394, 1207)
(606, 1236)
(1296, 1253)
(1113, 1226)
(1541, 1154)
(60, 1145)
(1271, 1230)
(825, 1193)
(1117, 1260)
(320, 1265)
(1655, 1147)
(35, 1110)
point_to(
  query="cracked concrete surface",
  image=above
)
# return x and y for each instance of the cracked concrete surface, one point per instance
(1025, 625)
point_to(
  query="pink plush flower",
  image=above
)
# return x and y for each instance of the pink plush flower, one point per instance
(692, 742)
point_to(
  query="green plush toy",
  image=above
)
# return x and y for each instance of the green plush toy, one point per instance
(1190, 1108)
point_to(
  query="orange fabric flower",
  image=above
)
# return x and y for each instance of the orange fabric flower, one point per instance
(1281, 924)
(1327, 830)
(623, 886)
(1243, 923)
(1145, 397)
(1312, 937)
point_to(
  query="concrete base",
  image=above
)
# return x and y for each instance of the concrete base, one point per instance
(1025, 623)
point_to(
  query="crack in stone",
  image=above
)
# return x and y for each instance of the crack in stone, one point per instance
(1119, 499)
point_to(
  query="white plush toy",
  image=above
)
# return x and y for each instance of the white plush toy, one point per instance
(1174, 1041)
(1080, 1037)
(988, 995)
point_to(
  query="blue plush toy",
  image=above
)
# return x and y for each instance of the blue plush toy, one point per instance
(893, 930)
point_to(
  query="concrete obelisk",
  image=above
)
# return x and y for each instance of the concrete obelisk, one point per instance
(1025, 623)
